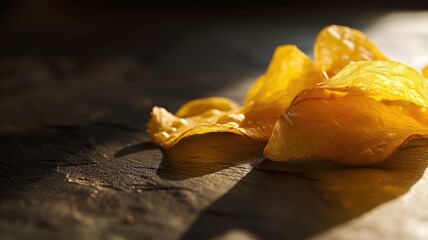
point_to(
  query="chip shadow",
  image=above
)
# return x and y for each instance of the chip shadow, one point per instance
(297, 200)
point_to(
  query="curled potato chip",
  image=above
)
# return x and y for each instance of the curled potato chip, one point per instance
(337, 46)
(199, 106)
(289, 72)
(384, 80)
(364, 123)
(166, 129)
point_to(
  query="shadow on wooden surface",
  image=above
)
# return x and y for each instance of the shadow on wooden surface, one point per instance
(136, 148)
(30, 157)
(297, 200)
(199, 155)
(34, 156)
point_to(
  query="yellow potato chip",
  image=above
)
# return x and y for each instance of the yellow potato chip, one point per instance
(384, 80)
(289, 72)
(337, 46)
(380, 106)
(199, 106)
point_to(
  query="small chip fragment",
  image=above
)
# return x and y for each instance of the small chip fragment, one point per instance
(425, 71)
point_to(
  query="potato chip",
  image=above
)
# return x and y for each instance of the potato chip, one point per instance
(337, 46)
(380, 105)
(289, 72)
(384, 80)
(199, 106)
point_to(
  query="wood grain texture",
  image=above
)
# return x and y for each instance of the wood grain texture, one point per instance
(75, 161)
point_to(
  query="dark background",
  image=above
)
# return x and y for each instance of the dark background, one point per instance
(106, 27)
(152, 50)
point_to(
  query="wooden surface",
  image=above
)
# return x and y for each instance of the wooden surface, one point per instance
(75, 161)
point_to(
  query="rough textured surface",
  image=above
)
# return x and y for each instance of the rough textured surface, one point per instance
(75, 162)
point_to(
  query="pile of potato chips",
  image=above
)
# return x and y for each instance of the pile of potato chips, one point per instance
(350, 104)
